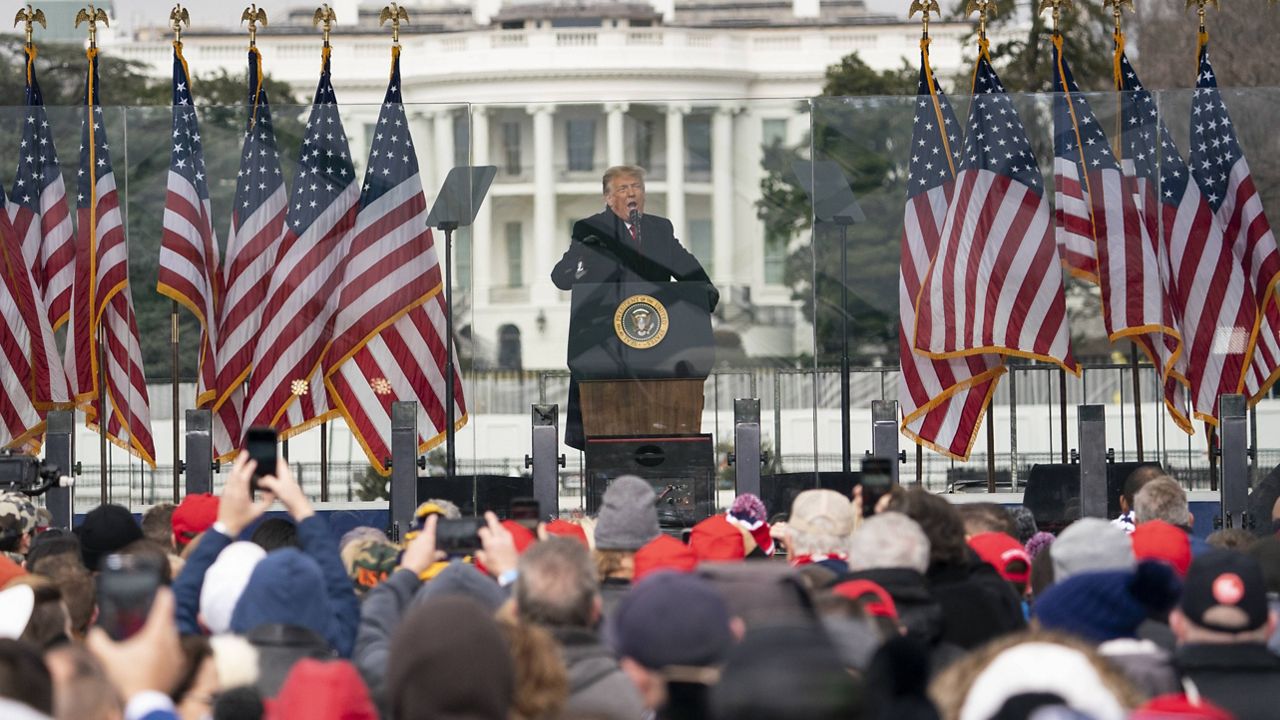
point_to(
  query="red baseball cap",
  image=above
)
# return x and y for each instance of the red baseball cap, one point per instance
(522, 536)
(663, 553)
(194, 515)
(1177, 706)
(883, 606)
(717, 539)
(1000, 550)
(1158, 540)
(564, 528)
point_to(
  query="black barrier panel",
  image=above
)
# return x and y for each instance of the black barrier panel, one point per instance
(476, 494)
(778, 491)
(1053, 492)
(681, 470)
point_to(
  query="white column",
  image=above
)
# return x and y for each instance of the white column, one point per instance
(722, 193)
(675, 167)
(444, 145)
(614, 129)
(544, 203)
(482, 229)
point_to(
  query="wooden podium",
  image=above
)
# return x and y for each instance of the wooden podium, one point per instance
(641, 407)
(641, 352)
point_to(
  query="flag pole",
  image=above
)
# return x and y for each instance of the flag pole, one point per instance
(92, 16)
(324, 17)
(176, 17)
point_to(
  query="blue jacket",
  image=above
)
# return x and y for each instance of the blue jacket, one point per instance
(307, 587)
(186, 587)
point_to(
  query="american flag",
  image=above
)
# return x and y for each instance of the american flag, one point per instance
(1139, 161)
(1219, 167)
(39, 209)
(995, 284)
(102, 308)
(1076, 132)
(942, 401)
(1207, 289)
(257, 225)
(30, 378)
(286, 388)
(1097, 207)
(389, 331)
(188, 269)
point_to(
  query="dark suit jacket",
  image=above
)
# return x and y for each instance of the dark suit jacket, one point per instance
(612, 256)
(615, 257)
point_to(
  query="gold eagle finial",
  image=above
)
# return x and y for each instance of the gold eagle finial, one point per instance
(254, 16)
(93, 16)
(1117, 7)
(396, 15)
(924, 7)
(30, 16)
(1200, 5)
(1057, 7)
(984, 8)
(324, 17)
(177, 18)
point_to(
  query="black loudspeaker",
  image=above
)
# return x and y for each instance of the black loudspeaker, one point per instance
(1053, 492)
(779, 491)
(680, 468)
(476, 494)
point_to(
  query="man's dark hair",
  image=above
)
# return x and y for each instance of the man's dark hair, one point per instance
(275, 533)
(557, 584)
(79, 591)
(24, 677)
(50, 544)
(1267, 552)
(1140, 476)
(48, 624)
(983, 517)
(157, 524)
(939, 520)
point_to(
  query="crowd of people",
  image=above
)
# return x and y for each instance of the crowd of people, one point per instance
(915, 608)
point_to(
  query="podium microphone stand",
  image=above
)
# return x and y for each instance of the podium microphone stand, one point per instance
(834, 204)
(456, 206)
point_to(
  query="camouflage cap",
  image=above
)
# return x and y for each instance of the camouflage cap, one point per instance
(17, 514)
(369, 562)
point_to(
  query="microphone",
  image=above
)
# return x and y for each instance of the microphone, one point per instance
(634, 219)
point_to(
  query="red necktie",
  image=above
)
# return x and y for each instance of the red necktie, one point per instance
(634, 237)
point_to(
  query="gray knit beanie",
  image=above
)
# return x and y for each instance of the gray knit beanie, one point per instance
(628, 519)
(1091, 545)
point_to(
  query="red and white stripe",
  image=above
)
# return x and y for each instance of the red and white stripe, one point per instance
(251, 255)
(994, 285)
(295, 329)
(1073, 228)
(30, 377)
(128, 412)
(188, 271)
(942, 401)
(1248, 233)
(49, 248)
(1214, 298)
(389, 332)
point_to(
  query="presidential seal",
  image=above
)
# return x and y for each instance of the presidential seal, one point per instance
(640, 321)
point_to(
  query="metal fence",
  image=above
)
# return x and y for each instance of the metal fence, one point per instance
(1031, 399)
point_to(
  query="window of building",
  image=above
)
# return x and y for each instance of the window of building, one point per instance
(775, 258)
(773, 130)
(643, 143)
(697, 137)
(701, 242)
(509, 350)
(461, 139)
(515, 254)
(581, 144)
(511, 148)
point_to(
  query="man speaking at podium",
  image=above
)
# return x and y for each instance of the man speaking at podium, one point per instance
(623, 244)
